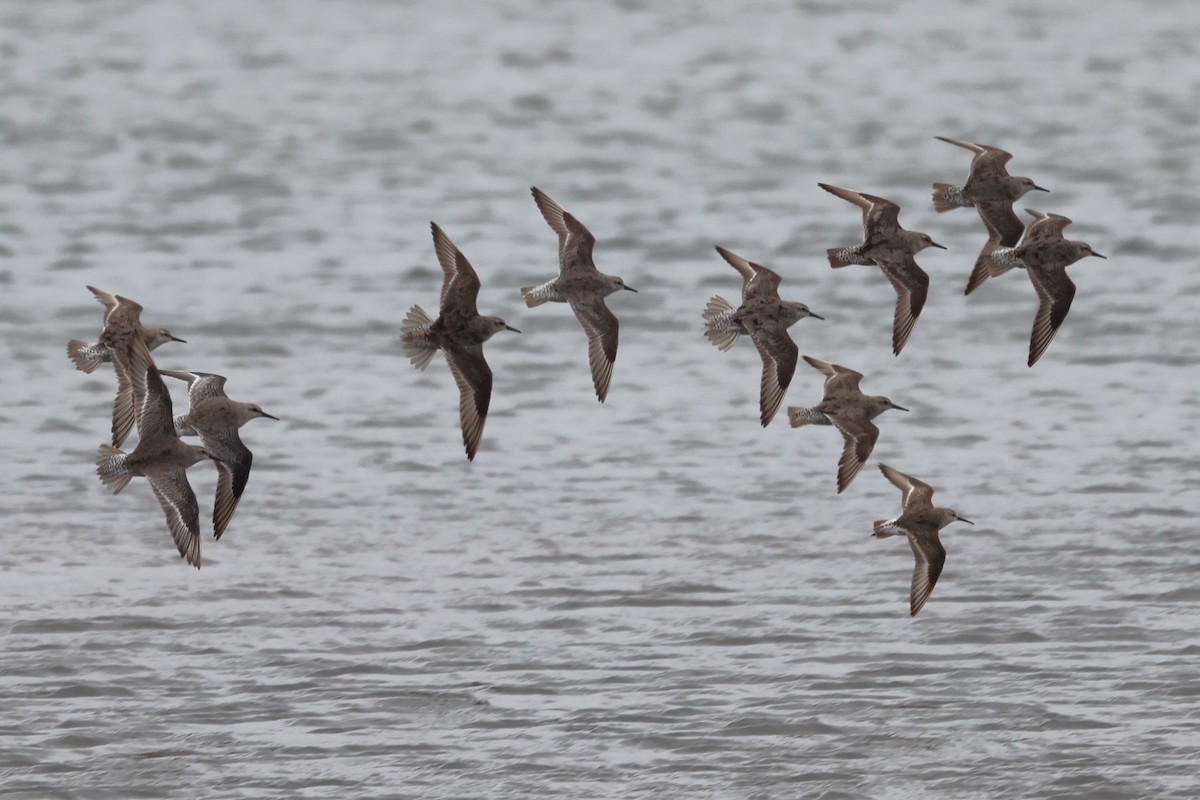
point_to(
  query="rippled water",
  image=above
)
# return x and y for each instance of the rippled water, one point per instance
(650, 598)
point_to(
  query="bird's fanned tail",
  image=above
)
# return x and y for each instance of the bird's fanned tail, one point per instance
(415, 337)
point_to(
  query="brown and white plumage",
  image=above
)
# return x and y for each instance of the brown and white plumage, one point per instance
(1047, 268)
(122, 338)
(989, 179)
(991, 190)
(880, 216)
(215, 419)
(920, 522)
(459, 332)
(850, 411)
(1044, 230)
(583, 287)
(1046, 227)
(162, 458)
(766, 319)
(87, 357)
(1000, 220)
(575, 242)
(890, 246)
(989, 172)
(1045, 254)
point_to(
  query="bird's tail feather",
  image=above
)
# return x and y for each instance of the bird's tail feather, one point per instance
(947, 196)
(845, 256)
(112, 468)
(84, 355)
(720, 328)
(799, 417)
(884, 529)
(415, 337)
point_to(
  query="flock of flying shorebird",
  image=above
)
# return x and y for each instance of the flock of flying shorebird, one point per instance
(160, 456)
(459, 332)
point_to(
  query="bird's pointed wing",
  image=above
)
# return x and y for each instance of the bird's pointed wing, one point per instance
(1045, 227)
(106, 299)
(601, 326)
(987, 161)
(178, 502)
(974, 148)
(930, 557)
(127, 403)
(779, 355)
(915, 494)
(474, 379)
(983, 265)
(879, 215)
(756, 279)
(1004, 230)
(155, 417)
(882, 218)
(990, 165)
(999, 217)
(575, 242)
(912, 287)
(860, 435)
(201, 385)
(113, 302)
(131, 362)
(837, 378)
(131, 358)
(233, 460)
(1055, 292)
(460, 284)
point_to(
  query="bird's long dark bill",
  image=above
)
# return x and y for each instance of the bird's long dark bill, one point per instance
(1097, 255)
(631, 289)
(177, 339)
(816, 316)
(899, 408)
(1039, 188)
(271, 416)
(939, 246)
(511, 328)
(963, 519)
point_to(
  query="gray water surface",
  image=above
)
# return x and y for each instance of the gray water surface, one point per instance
(653, 597)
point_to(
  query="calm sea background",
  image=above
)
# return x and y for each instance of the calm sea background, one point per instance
(653, 597)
